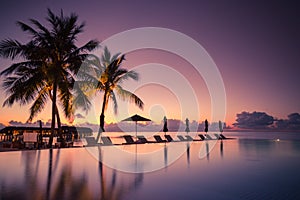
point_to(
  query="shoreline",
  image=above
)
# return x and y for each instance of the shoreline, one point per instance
(17, 149)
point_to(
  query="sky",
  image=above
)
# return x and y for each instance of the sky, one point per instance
(255, 46)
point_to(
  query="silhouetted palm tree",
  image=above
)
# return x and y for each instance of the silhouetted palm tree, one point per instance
(51, 59)
(110, 80)
(105, 76)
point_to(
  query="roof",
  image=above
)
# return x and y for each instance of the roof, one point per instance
(26, 128)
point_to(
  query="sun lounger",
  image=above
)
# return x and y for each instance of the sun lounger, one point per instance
(189, 138)
(90, 141)
(106, 141)
(142, 140)
(181, 138)
(217, 136)
(159, 139)
(169, 138)
(201, 136)
(128, 139)
(208, 137)
(222, 136)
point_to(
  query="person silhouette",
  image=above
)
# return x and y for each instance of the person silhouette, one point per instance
(206, 126)
(187, 125)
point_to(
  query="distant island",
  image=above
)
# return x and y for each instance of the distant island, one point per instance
(246, 121)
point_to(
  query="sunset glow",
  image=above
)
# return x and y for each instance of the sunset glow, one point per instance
(257, 75)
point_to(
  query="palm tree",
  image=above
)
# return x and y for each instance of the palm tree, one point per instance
(110, 81)
(51, 60)
(105, 76)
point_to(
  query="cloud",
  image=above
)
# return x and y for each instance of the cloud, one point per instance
(2, 126)
(292, 123)
(19, 123)
(32, 124)
(255, 120)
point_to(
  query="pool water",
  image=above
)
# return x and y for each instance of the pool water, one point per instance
(252, 166)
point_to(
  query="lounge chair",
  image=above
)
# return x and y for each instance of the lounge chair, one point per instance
(143, 140)
(90, 141)
(181, 138)
(169, 138)
(159, 139)
(189, 138)
(106, 141)
(208, 137)
(201, 136)
(128, 139)
(222, 136)
(217, 136)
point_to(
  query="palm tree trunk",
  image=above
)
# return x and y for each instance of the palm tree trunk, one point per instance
(53, 113)
(58, 120)
(102, 116)
(59, 128)
(49, 178)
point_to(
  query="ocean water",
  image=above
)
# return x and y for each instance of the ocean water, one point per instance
(262, 165)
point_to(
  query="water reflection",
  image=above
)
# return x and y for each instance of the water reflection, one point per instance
(49, 174)
(30, 171)
(258, 145)
(63, 174)
(188, 153)
(221, 149)
(75, 174)
(166, 155)
(110, 188)
(207, 150)
(69, 187)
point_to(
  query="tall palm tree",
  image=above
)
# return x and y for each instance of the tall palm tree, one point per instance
(51, 59)
(110, 81)
(106, 75)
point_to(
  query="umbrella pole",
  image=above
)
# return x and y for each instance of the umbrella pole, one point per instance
(136, 130)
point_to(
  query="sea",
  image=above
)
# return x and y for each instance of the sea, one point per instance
(247, 165)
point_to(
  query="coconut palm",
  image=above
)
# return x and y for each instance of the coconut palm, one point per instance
(110, 81)
(50, 61)
(106, 76)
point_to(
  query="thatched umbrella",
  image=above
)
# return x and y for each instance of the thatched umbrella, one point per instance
(136, 118)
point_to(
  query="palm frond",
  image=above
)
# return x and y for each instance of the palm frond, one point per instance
(128, 75)
(19, 67)
(39, 104)
(44, 30)
(105, 58)
(118, 74)
(10, 48)
(27, 28)
(127, 95)
(115, 57)
(89, 46)
(81, 99)
(115, 103)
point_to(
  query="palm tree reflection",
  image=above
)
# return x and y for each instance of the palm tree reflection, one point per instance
(188, 153)
(166, 155)
(112, 187)
(49, 180)
(30, 172)
(221, 148)
(49, 174)
(207, 150)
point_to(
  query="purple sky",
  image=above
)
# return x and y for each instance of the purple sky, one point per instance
(255, 45)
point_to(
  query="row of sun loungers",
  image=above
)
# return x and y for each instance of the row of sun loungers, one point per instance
(105, 140)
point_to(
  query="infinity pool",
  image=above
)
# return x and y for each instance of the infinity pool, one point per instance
(252, 166)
